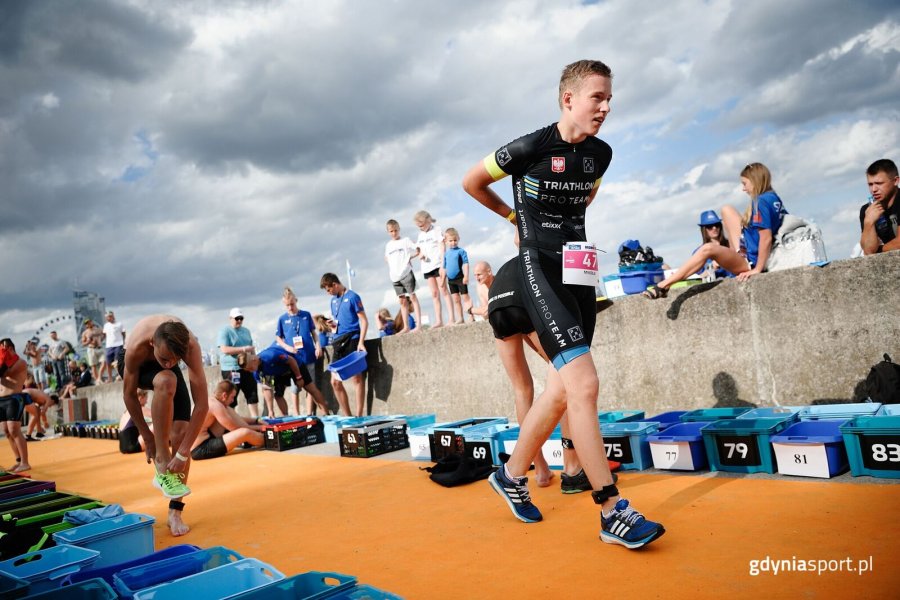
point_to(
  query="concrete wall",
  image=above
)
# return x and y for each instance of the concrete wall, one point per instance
(798, 336)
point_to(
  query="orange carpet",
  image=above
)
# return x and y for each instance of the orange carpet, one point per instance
(386, 523)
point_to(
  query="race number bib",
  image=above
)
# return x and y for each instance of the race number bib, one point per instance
(298, 342)
(580, 264)
(236, 377)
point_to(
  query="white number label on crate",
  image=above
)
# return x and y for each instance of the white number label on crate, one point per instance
(351, 439)
(613, 450)
(446, 441)
(479, 452)
(675, 456)
(553, 453)
(803, 460)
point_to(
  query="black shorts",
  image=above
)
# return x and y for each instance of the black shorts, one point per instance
(457, 286)
(247, 385)
(128, 441)
(344, 345)
(280, 383)
(432, 274)
(563, 316)
(509, 321)
(213, 447)
(149, 370)
(11, 407)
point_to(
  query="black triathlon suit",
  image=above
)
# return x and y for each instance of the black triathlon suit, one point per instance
(506, 313)
(552, 183)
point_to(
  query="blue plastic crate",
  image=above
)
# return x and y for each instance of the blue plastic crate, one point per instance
(654, 266)
(352, 364)
(222, 582)
(106, 573)
(449, 438)
(44, 569)
(129, 581)
(679, 447)
(619, 416)
(118, 538)
(12, 587)
(418, 442)
(635, 282)
(742, 445)
(506, 440)
(414, 421)
(712, 414)
(313, 585)
(839, 411)
(627, 444)
(90, 589)
(483, 442)
(873, 446)
(771, 412)
(334, 423)
(364, 592)
(665, 420)
(811, 449)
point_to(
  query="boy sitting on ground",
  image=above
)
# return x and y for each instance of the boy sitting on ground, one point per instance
(224, 429)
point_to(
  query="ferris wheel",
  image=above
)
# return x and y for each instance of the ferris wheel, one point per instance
(51, 324)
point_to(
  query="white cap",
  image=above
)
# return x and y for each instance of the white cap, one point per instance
(235, 312)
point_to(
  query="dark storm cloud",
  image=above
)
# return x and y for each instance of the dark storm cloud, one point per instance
(104, 38)
(317, 97)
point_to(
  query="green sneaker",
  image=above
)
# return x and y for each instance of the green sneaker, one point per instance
(171, 485)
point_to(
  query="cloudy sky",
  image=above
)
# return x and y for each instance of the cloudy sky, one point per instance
(187, 157)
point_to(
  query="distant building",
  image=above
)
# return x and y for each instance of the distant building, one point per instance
(88, 305)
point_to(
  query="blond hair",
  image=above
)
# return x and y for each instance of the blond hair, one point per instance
(424, 215)
(575, 73)
(451, 232)
(760, 182)
(288, 294)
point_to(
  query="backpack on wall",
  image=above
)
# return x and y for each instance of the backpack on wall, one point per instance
(883, 382)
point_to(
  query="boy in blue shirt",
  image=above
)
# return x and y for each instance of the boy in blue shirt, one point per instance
(456, 265)
(352, 325)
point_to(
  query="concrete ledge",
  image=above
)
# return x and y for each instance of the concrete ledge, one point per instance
(799, 336)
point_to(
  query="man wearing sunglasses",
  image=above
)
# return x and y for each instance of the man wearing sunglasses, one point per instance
(236, 345)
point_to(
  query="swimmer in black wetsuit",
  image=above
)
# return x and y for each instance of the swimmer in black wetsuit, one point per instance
(556, 173)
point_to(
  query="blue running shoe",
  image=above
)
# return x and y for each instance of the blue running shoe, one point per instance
(628, 527)
(516, 496)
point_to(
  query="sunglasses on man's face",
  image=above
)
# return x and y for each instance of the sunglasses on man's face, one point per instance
(238, 318)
